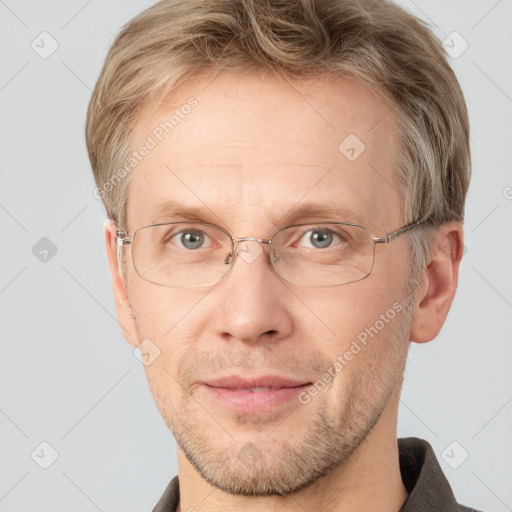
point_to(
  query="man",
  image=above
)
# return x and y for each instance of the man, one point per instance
(285, 185)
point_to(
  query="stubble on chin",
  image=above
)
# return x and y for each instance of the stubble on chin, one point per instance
(335, 423)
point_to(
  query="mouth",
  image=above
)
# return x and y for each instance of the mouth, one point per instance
(256, 395)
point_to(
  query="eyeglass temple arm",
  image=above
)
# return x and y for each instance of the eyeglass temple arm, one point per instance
(395, 234)
(120, 241)
(121, 238)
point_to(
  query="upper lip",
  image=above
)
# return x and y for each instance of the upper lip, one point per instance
(266, 381)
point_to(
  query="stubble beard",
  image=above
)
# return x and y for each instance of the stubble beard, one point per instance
(270, 464)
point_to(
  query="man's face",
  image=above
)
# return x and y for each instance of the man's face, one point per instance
(251, 151)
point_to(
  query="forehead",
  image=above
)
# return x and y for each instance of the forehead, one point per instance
(247, 149)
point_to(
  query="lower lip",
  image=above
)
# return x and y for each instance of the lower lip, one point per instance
(242, 400)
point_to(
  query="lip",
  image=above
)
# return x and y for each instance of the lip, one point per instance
(237, 393)
(264, 381)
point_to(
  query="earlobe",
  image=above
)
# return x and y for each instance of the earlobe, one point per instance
(438, 283)
(123, 308)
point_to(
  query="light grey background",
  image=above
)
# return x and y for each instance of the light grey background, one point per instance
(67, 375)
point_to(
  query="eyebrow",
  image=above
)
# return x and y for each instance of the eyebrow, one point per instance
(327, 211)
(171, 210)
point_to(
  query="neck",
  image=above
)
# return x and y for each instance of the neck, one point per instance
(368, 480)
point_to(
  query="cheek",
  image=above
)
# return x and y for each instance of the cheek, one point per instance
(172, 319)
(159, 310)
(364, 326)
(368, 351)
(346, 311)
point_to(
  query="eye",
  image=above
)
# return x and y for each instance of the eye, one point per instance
(189, 239)
(318, 238)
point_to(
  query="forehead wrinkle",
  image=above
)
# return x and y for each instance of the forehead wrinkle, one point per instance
(243, 142)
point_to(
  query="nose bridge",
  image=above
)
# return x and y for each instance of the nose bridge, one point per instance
(255, 306)
(251, 238)
(238, 242)
(250, 252)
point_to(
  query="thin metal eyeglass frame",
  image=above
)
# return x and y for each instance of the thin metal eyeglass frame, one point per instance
(386, 239)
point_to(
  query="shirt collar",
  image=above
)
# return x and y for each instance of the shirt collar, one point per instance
(422, 476)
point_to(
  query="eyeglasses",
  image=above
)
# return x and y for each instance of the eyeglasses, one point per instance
(195, 254)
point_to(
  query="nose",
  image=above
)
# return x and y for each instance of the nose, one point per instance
(252, 298)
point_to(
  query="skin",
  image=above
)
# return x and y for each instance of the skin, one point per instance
(254, 148)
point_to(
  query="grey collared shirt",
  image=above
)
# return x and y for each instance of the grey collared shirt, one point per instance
(428, 488)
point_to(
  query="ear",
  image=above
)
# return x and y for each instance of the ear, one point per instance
(123, 308)
(438, 283)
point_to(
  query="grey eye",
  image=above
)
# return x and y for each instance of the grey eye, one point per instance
(318, 238)
(190, 239)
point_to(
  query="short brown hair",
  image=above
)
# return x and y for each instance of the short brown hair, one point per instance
(374, 41)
